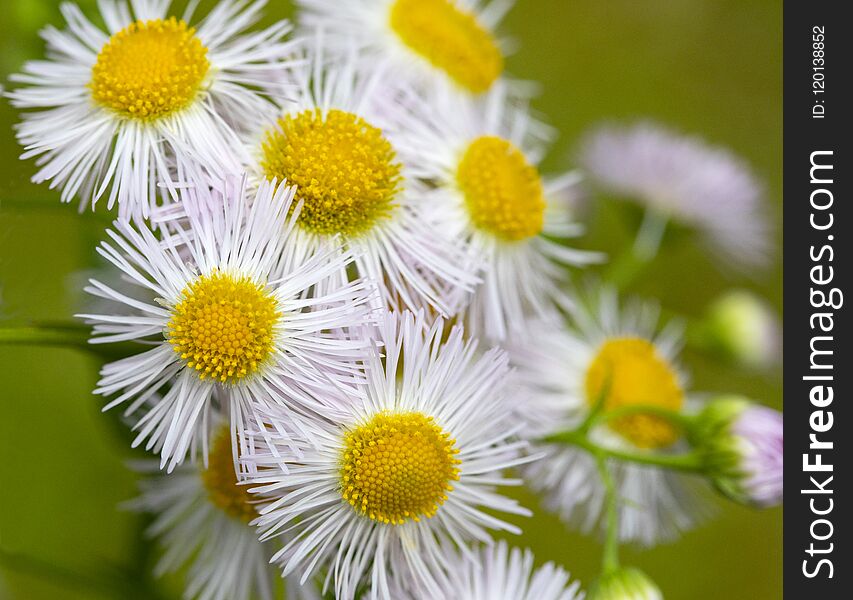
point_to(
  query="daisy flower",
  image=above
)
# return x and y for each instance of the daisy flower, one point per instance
(619, 358)
(228, 317)
(481, 157)
(401, 472)
(504, 573)
(447, 43)
(684, 179)
(112, 109)
(330, 143)
(202, 519)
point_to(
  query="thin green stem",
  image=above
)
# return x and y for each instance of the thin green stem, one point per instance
(689, 462)
(610, 554)
(628, 266)
(64, 334)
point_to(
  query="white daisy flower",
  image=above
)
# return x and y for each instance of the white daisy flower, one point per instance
(684, 179)
(482, 155)
(113, 109)
(202, 519)
(330, 143)
(504, 573)
(402, 472)
(230, 316)
(446, 43)
(617, 357)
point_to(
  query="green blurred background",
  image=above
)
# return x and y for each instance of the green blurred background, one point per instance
(705, 66)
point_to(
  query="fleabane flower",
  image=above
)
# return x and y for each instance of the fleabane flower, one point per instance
(201, 517)
(611, 358)
(481, 156)
(446, 43)
(329, 141)
(501, 572)
(405, 469)
(741, 443)
(682, 178)
(113, 111)
(230, 316)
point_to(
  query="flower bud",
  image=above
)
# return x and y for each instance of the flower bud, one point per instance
(743, 328)
(625, 584)
(741, 445)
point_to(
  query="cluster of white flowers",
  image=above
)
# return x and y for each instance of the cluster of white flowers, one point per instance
(352, 316)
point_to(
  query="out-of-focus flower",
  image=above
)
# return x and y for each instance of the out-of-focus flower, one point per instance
(742, 445)
(611, 358)
(625, 584)
(114, 110)
(742, 328)
(428, 43)
(400, 472)
(202, 518)
(684, 179)
(358, 195)
(481, 157)
(230, 316)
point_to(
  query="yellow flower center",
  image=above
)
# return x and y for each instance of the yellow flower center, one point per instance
(150, 69)
(451, 39)
(220, 481)
(629, 371)
(503, 192)
(398, 466)
(223, 327)
(346, 171)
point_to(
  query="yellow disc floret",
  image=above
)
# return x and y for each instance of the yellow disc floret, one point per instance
(628, 372)
(451, 39)
(150, 69)
(220, 481)
(503, 192)
(398, 467)
(346, 172)
(223, 326)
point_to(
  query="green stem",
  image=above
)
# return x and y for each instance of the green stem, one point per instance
(44, 336)
(64, 335)
(629, 265)
(610, 554)
(689, 462)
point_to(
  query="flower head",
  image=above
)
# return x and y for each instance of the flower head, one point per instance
(683, 178)
(742, 446)
(444, 43)
(222, 317)
(201, 517)
(481, 158)
(115, 112)
(744, 329)
(610, 358)
(331, 141)
(405, 468)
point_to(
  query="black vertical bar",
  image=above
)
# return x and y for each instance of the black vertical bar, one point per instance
(818, 56)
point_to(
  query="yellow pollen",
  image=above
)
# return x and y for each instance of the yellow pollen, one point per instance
(451, 39)
(150, 69)
(346, 171)
(503, 192)
(223, 327)
(398, 467)
(631, 372)
(220, 480)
